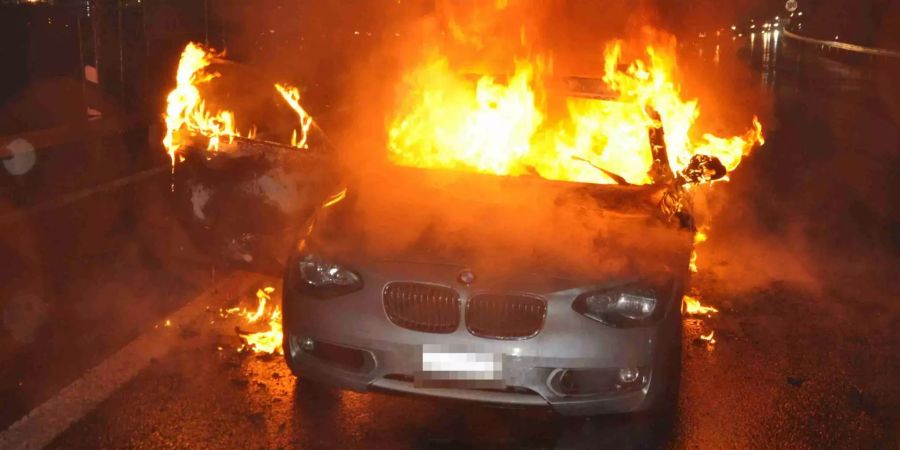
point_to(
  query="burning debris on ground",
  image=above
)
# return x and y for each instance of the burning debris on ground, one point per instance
(258, 325)
(268, 316)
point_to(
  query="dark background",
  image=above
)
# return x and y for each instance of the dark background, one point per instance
(820, 200)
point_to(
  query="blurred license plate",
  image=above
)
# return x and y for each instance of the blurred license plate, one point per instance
(442, 367)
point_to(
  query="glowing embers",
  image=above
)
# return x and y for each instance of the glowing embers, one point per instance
(698, 314)
(699, 238)
(691, 304)
(504, 128)
(335, 199)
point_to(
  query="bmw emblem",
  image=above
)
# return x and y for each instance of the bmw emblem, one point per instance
(466, 277)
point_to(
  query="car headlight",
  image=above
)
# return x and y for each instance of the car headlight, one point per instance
(624, 306)
(317, 277)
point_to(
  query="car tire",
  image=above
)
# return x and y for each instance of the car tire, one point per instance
(666, 402)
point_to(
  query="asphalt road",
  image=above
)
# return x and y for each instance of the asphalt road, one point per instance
(784, 373)
(806, 353)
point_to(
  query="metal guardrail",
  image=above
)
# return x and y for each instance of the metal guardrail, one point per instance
(48, 138)
(81, 194)
(65, 134)
(845, 46)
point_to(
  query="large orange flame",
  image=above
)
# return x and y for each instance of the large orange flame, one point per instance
(186, 109)
(448, 123)
(188, 116)
(503, 128)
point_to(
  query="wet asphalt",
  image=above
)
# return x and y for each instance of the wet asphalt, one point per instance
(784, 373)
(806, 353)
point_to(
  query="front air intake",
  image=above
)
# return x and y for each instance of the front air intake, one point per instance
(505, 316)
(422, 307)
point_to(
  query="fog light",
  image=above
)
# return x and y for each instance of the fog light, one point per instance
(567, 382)
(307, 344)
(629, 375)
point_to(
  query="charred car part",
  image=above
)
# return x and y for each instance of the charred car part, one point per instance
(270, 184)
(675, 204)
(660, 170)
(703, 169)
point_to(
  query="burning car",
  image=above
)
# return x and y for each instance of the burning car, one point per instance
(514, 290)
(460, 312)
(534, 250)
(505, 255)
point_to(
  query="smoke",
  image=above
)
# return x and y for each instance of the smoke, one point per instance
(503, 226)
(350, 65)
(361, 66)
(817, 203)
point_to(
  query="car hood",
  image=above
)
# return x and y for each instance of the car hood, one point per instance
(500, 225)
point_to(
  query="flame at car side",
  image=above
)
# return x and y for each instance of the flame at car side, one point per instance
(291, 96)
(189, 116)
(187, 110)
(693, 307)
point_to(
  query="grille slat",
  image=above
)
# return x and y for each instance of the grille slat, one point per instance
(505, 316)
(422, 307)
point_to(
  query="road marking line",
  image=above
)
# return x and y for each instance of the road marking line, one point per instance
(42, 425)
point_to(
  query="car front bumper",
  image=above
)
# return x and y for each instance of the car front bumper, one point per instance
(388, 356)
